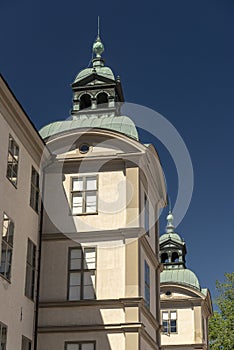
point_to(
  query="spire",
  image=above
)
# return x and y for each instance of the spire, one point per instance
(170, 227)
(98, 49)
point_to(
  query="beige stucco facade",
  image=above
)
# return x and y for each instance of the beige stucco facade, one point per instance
(17, 312)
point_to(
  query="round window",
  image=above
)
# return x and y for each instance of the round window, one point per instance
(168, 293)
(84, 148)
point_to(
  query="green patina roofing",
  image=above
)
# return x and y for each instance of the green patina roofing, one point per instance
(121, 124)
(103, 71)
(180, 276)
(173, 236)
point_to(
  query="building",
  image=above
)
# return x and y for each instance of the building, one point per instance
(21, 150)
(185, 306)
(81, 269)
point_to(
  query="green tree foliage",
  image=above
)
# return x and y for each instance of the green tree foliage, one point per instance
(221, 324)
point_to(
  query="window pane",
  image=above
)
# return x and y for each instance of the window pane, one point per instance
(75, 264)
(74, 293)
(76, 253)
(173, 315)
(91, 183)
(77, 184)
(173, 326)
(75, 259)
(77, 203)
(89, 285)
(165, 315)
(147, 296)
(90, 259)
(75, 279)
(147, 274)
(91, 202)
(165, 326)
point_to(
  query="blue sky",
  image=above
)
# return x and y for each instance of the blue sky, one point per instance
(175, 57)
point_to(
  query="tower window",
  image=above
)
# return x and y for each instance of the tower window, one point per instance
(12, 161)
(84, 195)
(175, 257)
(85, 101)
(102, 98)
(82, 271)
(7, 247)
(164, 258)
(169, 321)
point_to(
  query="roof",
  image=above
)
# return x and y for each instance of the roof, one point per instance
(102, 71)
(173, 236)
(180, 276)
(121, 124)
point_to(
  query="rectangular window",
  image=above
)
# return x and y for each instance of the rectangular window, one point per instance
(30, 270)
(26, 344)
(34, 194)
(147, 285)
(169, 321)
(146, 210)
(84, 195)
(81, 346)
(3, 336)
(7, 247)
(12, 161)
(82, 272)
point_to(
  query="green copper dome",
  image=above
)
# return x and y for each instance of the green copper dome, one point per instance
(180, 276)
(121, 124)
(173, 236)
(103, 71)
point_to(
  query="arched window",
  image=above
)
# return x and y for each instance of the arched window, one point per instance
(85, 101)
(102, 98)
(164, 258)
(174, 257)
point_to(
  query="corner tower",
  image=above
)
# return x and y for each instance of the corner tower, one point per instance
(99, 286)
(185, 306)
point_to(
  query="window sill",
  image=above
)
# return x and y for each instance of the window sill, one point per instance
(5, 278)
(84, 214)
(29, 298)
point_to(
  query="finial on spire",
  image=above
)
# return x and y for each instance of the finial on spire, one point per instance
(98, 47)
(170, 227)
(98, 30)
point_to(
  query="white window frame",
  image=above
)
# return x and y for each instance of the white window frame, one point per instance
(6, 247)
(83, 194)
(169, 322)
(12, 161)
